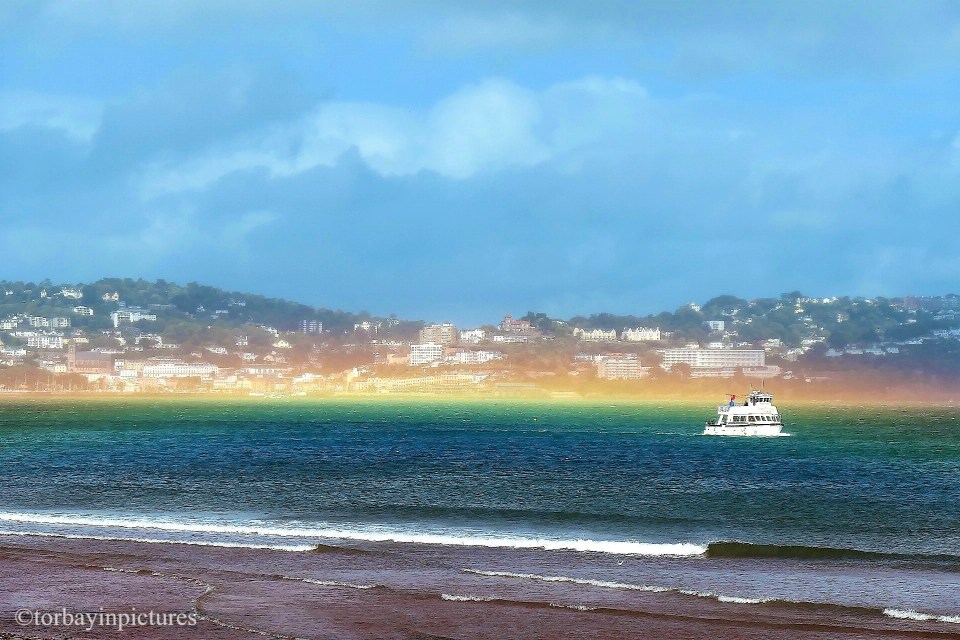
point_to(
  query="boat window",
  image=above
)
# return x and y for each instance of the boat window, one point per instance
(753, 419)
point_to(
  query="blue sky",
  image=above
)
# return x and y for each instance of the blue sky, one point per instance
(457, 160)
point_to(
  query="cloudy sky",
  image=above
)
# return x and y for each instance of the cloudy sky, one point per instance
(457, 160)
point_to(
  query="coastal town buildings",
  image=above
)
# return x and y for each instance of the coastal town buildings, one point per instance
(595, 335)
(509, 325)
(130, 316)
(619, 366)
(712, 362)
(178, 369)
(424, 354)
(472, 336)
(311, 326)
(471, 357)
(89, 362)
(445, 334)
(44, 341)
(640, 334)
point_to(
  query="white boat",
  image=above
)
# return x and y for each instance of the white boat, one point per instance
(756, 417)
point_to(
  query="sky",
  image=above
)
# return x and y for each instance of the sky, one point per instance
(449, 160)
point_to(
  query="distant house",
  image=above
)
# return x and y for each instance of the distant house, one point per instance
(640, 334)
(130, 316)
(595, 335)
(716, 326)
(509, 325)
(72, 294)
(473, 336)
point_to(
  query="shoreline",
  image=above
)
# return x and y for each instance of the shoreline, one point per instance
(389, 591)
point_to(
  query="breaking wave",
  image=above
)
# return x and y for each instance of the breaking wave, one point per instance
(239, 534)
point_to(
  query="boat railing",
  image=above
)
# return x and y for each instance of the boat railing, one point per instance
(723, 408)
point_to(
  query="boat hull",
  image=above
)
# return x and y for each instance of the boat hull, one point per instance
(747, 430)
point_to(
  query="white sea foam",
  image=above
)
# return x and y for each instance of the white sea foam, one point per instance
(585, 581)
(360, 533)
(606, 584)
(736, 599)
(575, 607)
(197, 543)
(909, 614)
(459, 598)
(331, 583)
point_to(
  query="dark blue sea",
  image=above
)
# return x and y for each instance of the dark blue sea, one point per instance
(858, 506)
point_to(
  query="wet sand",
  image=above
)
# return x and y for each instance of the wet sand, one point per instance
(378, 592)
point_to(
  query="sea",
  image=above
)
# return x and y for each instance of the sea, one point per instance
(584, 502)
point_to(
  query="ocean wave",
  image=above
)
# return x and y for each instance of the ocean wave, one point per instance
(575, 607)
(584, 581)
(909, 614)
(365, 534)
(735, 549)
(459, 598)
(606, 584)
(197, 543)
(626, 586)
(331, 583)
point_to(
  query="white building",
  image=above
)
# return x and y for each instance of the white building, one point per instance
(596, 335)
(311, 326)
(59, 323)
(81, 310)
(640, 334)
(130, 316)
(38, 321)
(421, 354)
(716, 326)
(473, 336)
(512, 338)
(45, 342)
(71, 294)
(619, 366)
(718, 359)
(465, 356)
(180, 370)
(444, 333)
(367, 326)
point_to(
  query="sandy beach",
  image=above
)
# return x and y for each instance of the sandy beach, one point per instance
(380, 591)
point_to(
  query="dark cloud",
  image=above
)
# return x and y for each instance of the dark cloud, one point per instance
(624, 156)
